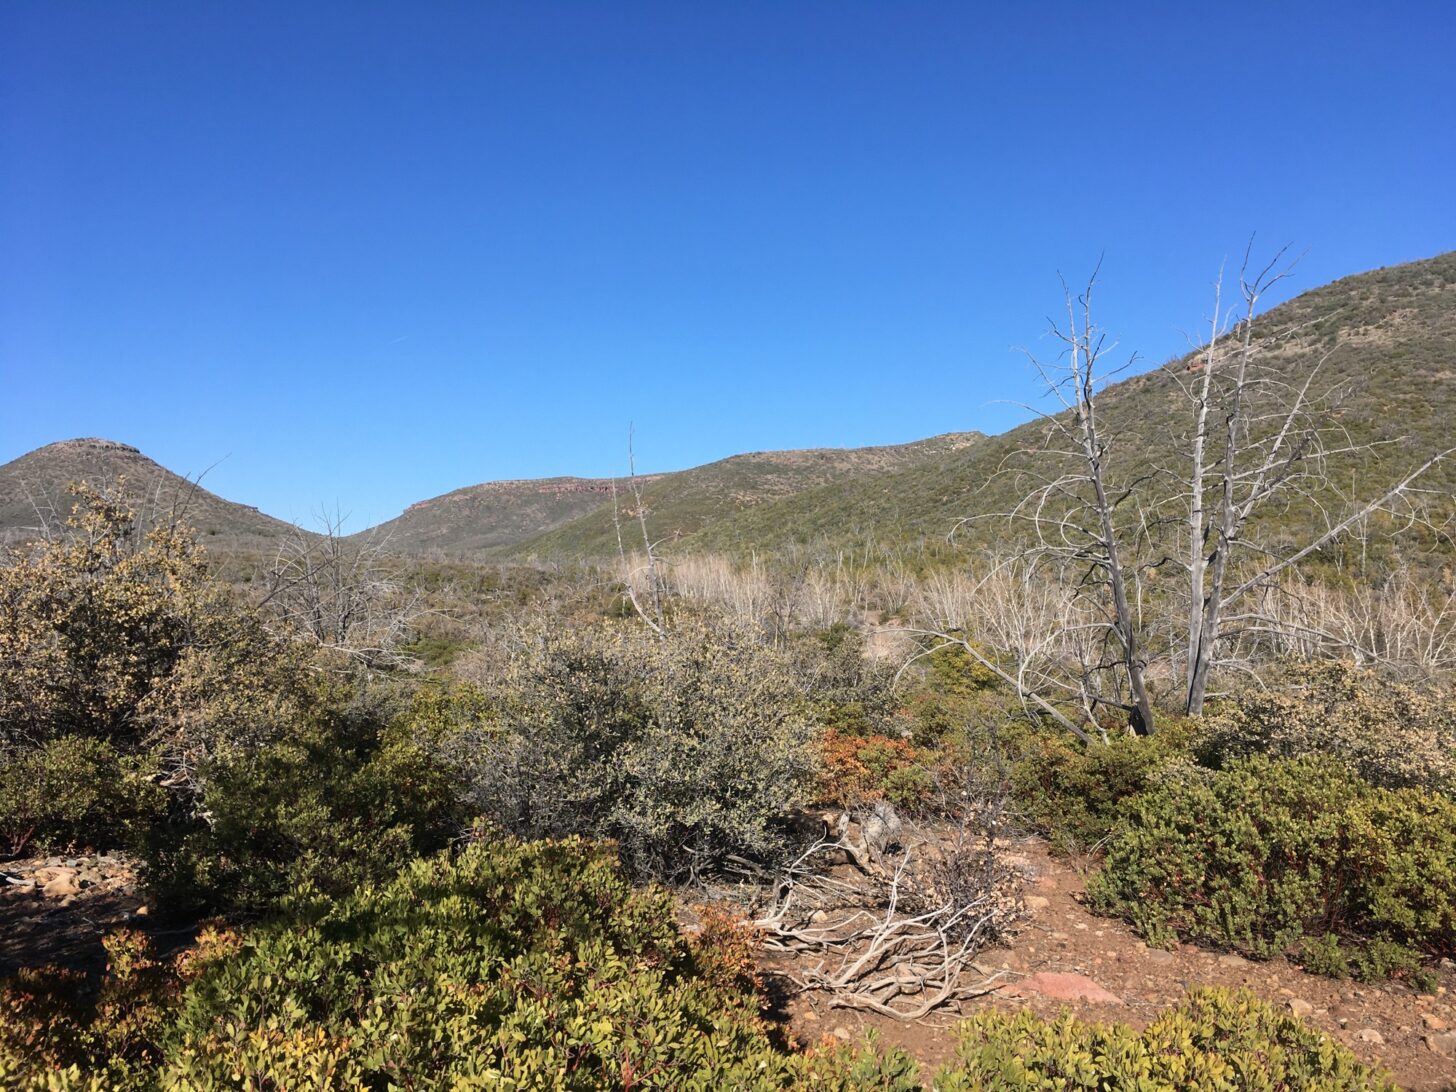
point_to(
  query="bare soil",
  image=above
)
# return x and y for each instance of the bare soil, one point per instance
(1389, 1024)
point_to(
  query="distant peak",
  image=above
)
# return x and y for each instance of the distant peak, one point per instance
(91, 443)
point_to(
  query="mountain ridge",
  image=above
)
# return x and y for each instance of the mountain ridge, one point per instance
(1393, 328)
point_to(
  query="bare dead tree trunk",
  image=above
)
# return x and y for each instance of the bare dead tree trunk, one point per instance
(1284, 450)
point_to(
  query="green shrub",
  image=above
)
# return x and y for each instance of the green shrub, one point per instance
(74, 792)
(1075, 794)
(1271, 851)
(349, 793)
(682, 750)
(1215, 1041)
(1391, 734)
(845, 691)
(514, 966)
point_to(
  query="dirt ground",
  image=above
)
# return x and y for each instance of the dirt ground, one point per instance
(1408, 1033)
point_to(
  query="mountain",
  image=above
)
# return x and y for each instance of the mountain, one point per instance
(573, 517)
(33, 494)
(489, 518)
(1389, 336)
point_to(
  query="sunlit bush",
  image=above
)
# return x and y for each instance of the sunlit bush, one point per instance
(515, 966)
(1273, 854)
(1215, 1040)
(1392, 734)
(682, 749)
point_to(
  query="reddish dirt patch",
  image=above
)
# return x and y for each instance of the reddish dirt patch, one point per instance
(1389, 1023)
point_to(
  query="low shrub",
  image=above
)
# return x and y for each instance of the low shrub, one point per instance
(72, 792)
(1075, 794)
(1215, 1041)
(517, 965)
(858, 769)
(682, 750)
(1391, 734)
(1272, 851)
(351, 792)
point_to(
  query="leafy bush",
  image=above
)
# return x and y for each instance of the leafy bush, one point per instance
(1075, 794)
(143, 706)
(859, 769)
(682, 750)
(1392, 734)
(346, 795)
(1216, 1040)
(516, 965)
(72, 792)
(111, 633)
(845, 690)
(1271, 851)
(119, 655)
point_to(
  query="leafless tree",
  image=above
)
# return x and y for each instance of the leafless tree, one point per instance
(342, 595)
(1261, 440)
(1108, 522)
(654, 619)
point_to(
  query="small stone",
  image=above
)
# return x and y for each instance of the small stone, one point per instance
(1443, 1044)
(1300, 1007)
(841, 1032)
(60, 887)
(809, 1014)
(141, 911)
(1037, 902)
(1158, 955)
(819, 915)
(1060, 986)
(1370, 1035)
(1433, 1022)
(1231, 960)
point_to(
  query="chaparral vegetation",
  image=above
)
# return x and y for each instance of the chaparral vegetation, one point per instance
(559, 806)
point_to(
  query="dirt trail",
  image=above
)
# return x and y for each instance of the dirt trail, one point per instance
(1390, 1024)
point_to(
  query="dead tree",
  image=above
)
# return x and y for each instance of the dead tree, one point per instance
(342, 595)
(1077, 516)
(1261, 441)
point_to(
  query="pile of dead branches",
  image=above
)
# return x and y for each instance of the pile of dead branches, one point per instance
(889, 918)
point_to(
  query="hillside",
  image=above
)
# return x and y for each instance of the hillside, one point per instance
(1390, 333)
(33, 493)
(690, 502)
(490, 517)
(1393, 336)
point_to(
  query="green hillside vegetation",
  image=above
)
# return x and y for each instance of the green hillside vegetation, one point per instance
(1393, 336)
(683, 505)
(486, 519)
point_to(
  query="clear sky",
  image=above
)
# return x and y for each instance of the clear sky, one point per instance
(364, 253)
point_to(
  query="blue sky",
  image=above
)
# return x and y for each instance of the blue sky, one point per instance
(365, 253)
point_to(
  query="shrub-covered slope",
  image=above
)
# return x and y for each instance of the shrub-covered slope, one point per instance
(1393, 336)
(33, 494)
